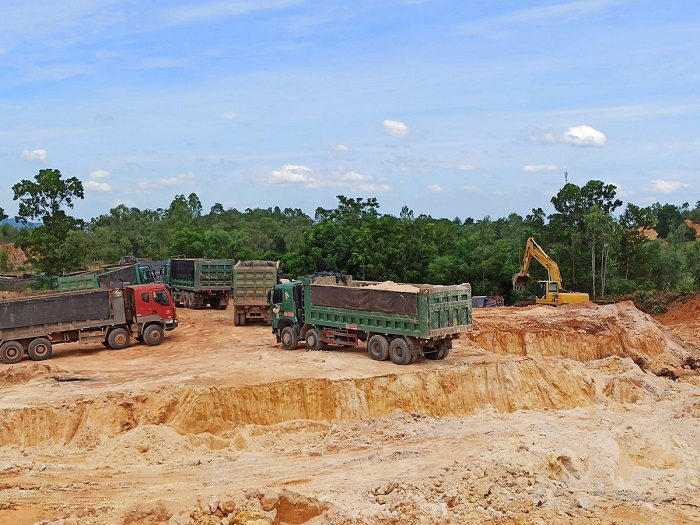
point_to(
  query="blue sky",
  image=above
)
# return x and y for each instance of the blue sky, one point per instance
(452, 108)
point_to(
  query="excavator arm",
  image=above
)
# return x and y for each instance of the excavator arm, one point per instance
(533, 250)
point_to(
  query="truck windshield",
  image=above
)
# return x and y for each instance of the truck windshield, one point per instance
(160, 297)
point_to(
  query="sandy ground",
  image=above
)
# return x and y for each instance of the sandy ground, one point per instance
(581, 414)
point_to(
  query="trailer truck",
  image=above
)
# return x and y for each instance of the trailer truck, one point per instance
(135, 273)
(251, 282)
(400, 322)
(32, 325)
(197, 283)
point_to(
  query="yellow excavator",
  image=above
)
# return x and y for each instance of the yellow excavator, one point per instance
(549, 291)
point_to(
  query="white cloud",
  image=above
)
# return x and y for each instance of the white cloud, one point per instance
(543, 137)
(182, 178)
(292, 174)
(435, 188)
(303, 175)
(466, 167)
(97, 186)
(353, 176)
(394, 127)
(99, 174)
(540, 167)
(667, 186)
(229, 116)
(584, 136)
(340, 147)
(471, 188)
(35, 155)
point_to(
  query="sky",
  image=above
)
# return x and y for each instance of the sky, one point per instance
(454, 109)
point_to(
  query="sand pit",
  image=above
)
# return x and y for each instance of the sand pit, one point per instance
(541, 415)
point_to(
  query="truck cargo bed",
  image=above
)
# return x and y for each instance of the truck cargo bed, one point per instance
(424, 311)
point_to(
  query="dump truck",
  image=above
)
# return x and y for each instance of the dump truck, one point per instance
(400, 322)
(135, 273)
(550, 291)
(251, 282)
(197, 283)
(32, 325)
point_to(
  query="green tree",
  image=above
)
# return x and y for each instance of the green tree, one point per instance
(44, 198)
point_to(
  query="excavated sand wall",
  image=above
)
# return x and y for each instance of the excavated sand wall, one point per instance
(581, 333)
(455, 391)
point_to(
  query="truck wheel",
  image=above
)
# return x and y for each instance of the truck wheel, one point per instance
(153, 335)
(378, 347)
(118, 338)
(443, 353)
(289, 338)
(312, 340)
(399, 352)
(40, 349)
(432, 355)
(11, 352)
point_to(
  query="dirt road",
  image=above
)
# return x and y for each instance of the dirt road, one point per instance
(541, 415)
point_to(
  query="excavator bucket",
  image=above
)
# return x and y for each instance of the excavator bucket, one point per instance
(520, 280)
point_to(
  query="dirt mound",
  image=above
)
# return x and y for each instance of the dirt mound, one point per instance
(542, 415)
(683, 321)
(582, 332)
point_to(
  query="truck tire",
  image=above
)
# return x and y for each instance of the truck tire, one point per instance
(378, 347)
(313, 342)
(289, 338)
(153, 335)
(118, 338)
(40, 349)
(399, 351)
(11, 352)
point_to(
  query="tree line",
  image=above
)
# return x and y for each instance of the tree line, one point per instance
(597, 250)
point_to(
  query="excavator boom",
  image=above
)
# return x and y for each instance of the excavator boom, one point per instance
(534, 250)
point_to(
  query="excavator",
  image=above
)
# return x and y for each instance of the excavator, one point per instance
(549, 291)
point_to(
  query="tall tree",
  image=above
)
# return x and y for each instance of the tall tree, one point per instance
(44, 198)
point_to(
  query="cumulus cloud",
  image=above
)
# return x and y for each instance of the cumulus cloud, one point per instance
(35, 155)
(584, 136)
(97, 186)
(304, 176)
(540, 167)
(182, 178)
(395, 127)
(435, 188)
(291, 174)
(466, 167)
(99, 174)
(667, 186)
(340, 147)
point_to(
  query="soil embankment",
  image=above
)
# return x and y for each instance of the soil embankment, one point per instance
(541, 415)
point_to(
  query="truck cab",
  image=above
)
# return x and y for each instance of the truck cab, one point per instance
(152, 302)
(286, 305)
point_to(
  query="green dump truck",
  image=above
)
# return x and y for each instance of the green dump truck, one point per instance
(197, 283)
(102, 278)
(400, 322)
(251, 282)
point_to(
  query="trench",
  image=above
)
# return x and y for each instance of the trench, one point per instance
(454, 391)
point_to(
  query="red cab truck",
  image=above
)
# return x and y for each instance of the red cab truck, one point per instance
(32, 325)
